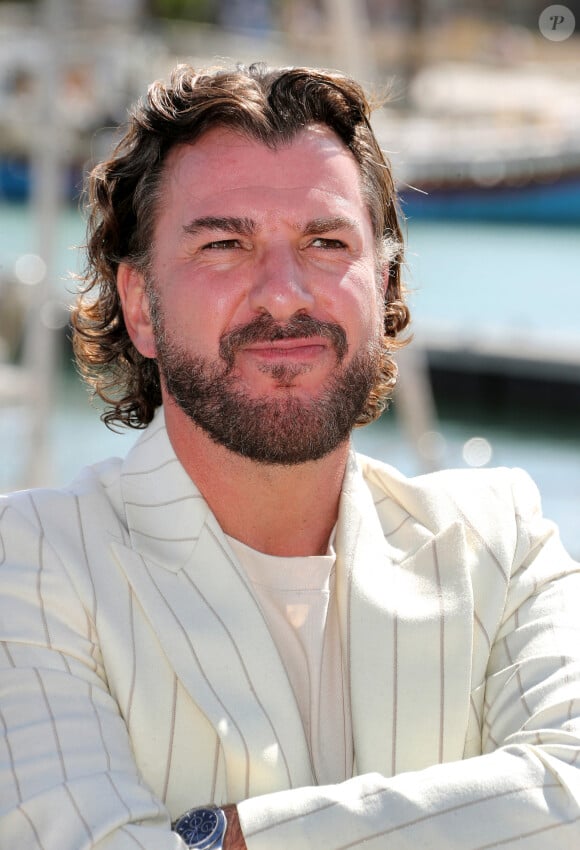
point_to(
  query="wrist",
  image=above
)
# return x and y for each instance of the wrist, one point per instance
(211, 828)
(234, 837)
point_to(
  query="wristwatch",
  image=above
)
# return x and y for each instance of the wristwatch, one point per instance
(202, 828)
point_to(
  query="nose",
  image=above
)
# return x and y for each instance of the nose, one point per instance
(280, 285)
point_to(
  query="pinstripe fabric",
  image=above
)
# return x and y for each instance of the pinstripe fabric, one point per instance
(138, 677)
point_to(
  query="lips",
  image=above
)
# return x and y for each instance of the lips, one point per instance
(291, 344)
(288, 349)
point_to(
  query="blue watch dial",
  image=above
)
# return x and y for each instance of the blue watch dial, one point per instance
(201, 828)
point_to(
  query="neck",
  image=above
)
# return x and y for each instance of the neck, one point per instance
(279, 510)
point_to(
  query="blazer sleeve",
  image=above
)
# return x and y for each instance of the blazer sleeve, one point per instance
(524, 788)
(68, 778)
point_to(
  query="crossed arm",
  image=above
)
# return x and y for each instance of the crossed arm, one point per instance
(58, 791)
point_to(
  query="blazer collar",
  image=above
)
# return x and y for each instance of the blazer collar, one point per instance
(164, 509)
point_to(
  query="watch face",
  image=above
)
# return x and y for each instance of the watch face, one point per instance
(201, 827)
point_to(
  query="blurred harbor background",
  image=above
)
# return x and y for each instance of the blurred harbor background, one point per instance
(482, 124)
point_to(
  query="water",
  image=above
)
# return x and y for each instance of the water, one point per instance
(18, 237)
(497, 277)
(464, 277)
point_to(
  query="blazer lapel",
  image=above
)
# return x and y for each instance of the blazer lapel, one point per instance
(210, 627)
(407, 612)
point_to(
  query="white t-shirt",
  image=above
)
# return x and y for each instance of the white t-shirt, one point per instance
(298, 601)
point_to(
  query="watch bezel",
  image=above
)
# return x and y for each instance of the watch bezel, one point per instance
(189, 834)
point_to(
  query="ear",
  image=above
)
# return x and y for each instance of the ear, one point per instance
(135, 302)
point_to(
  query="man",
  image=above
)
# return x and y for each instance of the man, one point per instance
(243, 613)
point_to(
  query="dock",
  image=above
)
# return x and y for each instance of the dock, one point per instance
(530, 368)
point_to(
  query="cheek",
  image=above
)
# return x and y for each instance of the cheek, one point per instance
(196, 316)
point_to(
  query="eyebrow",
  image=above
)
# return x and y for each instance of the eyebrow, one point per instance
(326, 225)
(228, 224)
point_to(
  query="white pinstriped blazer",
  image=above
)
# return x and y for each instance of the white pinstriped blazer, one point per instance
(139, 678)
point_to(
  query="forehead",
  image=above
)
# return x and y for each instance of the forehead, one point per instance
(226, 167)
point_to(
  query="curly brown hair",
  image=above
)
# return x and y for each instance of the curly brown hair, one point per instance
(269, 105)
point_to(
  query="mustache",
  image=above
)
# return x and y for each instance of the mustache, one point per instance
(264, 328)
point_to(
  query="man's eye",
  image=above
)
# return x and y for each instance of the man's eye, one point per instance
(321, 242)
(221, 244)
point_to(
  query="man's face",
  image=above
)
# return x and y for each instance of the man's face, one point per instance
(265, 305)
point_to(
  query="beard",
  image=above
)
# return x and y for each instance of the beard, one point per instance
(286, 430)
